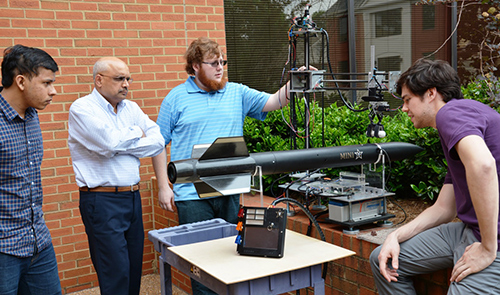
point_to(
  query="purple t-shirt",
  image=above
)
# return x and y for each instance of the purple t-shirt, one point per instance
(455, 120)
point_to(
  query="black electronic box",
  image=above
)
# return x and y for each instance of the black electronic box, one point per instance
(261, 231)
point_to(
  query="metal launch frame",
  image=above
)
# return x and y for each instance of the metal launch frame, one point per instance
(351, 201)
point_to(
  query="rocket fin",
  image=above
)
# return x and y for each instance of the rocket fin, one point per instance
(198, 150)
(223, 185)
(226, 147)
(205, 191)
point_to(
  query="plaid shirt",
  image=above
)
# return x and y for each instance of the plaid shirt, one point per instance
(22, 227)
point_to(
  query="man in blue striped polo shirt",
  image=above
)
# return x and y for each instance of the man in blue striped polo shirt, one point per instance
(200, 110)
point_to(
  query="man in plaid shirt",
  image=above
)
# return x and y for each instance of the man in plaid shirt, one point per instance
(27, 260)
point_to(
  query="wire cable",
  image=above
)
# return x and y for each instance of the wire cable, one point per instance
(404, 212)
(312, 219)
(274, 182)
(348, 105)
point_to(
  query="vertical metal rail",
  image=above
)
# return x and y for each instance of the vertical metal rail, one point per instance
(454, 38)
(351, 20)
(306, 94)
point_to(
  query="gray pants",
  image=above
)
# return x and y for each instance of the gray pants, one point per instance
(435, 249)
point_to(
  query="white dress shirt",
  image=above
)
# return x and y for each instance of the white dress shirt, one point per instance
(106, 146)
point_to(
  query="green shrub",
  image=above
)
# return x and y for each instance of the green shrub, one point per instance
(346, 127)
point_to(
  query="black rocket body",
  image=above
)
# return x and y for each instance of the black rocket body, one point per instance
(225, 167)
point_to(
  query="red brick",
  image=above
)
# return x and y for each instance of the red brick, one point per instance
(39, 14)
(136, 8)
(88, 278)
(12, 13)
(61, 232)
(30, 42)
(67, 282)
(84, 6)
(55, 198)
(110, 7)
(112, 25)
(59, 43)
(98, 15)
(75, 255)
(74, 238)
(365, 291)
(72, 34)
(125, 16)
(59, 24)
(215, 3)
(77, 272)
(87, 42)
(161, 8)
(25, 3)
(54, 5)
(69, 15)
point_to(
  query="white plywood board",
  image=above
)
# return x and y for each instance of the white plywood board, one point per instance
(220, 259)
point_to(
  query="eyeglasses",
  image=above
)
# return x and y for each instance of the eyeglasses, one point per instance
(120, 79)
(216, 63)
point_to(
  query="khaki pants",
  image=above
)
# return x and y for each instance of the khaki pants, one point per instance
(437, 248)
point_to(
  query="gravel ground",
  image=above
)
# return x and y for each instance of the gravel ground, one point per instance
(150, 285)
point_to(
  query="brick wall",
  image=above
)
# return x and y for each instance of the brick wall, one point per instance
(151, 37)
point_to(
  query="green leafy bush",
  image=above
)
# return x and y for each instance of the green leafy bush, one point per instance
(345, 127)
(484, 90)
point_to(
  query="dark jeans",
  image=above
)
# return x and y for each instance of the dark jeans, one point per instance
(225, 207)
(113, 223)
(31, 275)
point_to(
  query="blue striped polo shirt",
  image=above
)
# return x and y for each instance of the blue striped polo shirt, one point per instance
(190, 116)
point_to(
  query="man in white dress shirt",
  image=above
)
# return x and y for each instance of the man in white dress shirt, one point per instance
(108, 134)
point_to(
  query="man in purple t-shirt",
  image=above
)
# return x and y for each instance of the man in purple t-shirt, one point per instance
(470, 136)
